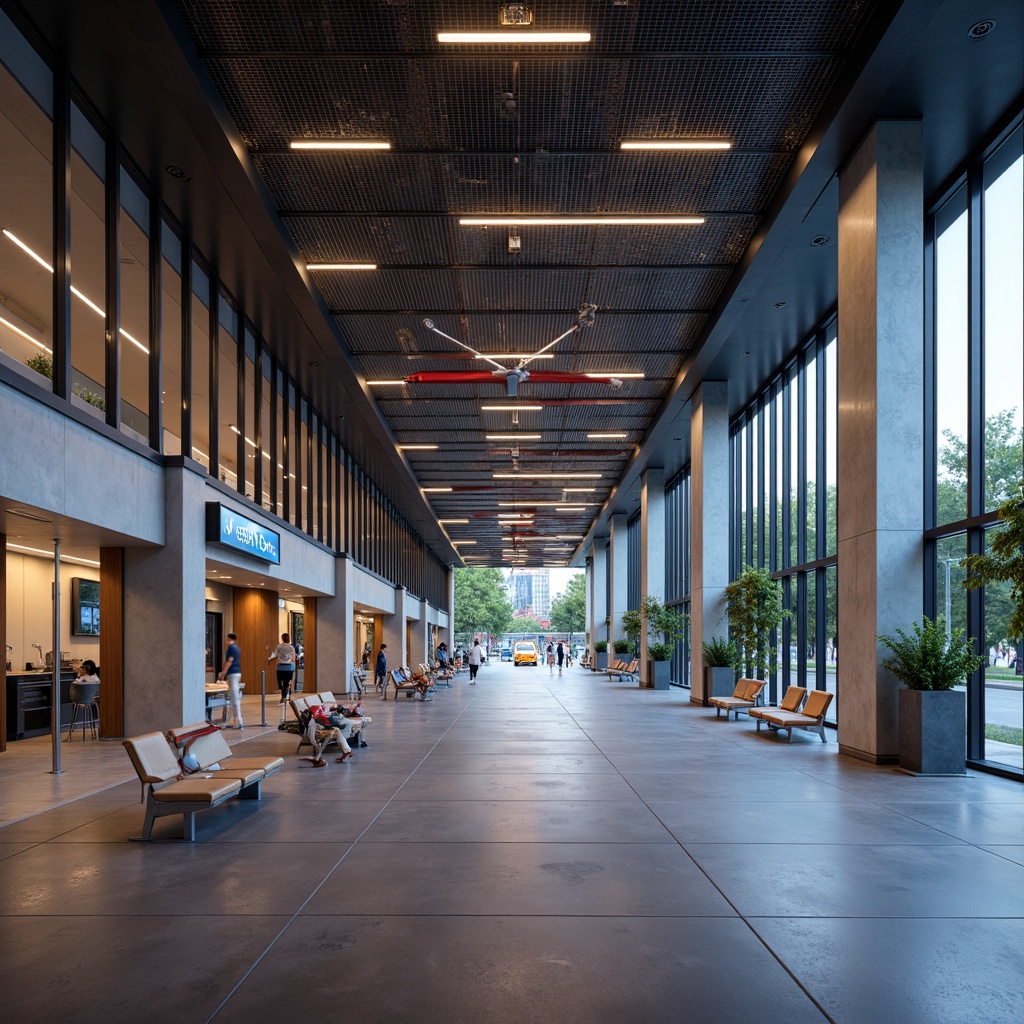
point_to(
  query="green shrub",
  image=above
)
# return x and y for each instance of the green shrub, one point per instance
(719, 652)
(600, 646)
(925, 661)
(623, 646)
(660, 652)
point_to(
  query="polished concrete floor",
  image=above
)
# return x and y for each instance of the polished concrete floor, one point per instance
(530, 849)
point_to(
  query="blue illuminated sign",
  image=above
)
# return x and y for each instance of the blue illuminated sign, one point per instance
(232, 529)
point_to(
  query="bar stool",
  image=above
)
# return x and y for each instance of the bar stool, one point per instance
(84, 698)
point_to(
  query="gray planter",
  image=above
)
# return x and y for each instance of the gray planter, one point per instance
(719, 681)
(602, 661)
(933, 731)
(658, 675)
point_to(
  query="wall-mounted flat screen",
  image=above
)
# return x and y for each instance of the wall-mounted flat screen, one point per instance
(85, 607)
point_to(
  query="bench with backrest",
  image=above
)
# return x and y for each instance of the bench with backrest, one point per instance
(404, 684)
(744, 697)
(791, 701)
(357, 723)
(812, 717)
(165, 792)
(623, 669)
(202, 749)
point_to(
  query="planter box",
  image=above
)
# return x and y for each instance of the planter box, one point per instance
(933, 731)
(601, 662)
(658, 673)
(718, 682)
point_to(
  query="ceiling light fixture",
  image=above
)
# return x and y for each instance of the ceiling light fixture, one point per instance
(579, 490)
(384, 383)
(454, 522)
(676, 144)
(418, 447)
(606, 437)
(436, 490)
(512, 355)
(512, 408)
(512, 437)
(546, 476)
(619, 220)
(538, 504)
(339, 144)
(8, 318)
(454, 542)
(49, 554)
(570, 508)
(621, 376)
(341, 266)
(513, 36)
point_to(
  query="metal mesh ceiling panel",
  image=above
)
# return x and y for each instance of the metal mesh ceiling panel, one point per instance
(522, 130)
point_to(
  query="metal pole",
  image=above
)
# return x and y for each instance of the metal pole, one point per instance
(55, 681)
(263, 697)
(948, 611)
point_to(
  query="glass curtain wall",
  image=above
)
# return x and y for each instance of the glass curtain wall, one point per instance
(784, 466)
(975, 462)
(26, 210)
(223, 397)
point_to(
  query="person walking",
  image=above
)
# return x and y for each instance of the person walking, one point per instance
(551, 659)
(476, 656)
(560, 655)
(380, 671)
(285, 654)
(232, 674)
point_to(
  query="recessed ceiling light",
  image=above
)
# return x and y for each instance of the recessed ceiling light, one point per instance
(27, 515)
(516, 36)
(606, 437)
(512, 437)
(341, 266)
(538, 504)
(454, 542)
(454, 522)
(339, 144)
(676, 144)
(436, 490)
(515, 515)
(570, 508)
(384, 383)
(620, 220)
(418, 447)
(621, 376)
(579, 490)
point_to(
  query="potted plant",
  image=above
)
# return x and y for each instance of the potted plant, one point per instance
(600, 655)
(754, 607)
(665, 628)
(933, 716)
(720, 656)
(623, 646)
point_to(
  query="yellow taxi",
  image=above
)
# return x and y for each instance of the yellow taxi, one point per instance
(524, 653)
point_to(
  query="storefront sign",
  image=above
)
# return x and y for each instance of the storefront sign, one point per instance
(232, 529)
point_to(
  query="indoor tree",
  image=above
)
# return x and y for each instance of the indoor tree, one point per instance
(754, 608)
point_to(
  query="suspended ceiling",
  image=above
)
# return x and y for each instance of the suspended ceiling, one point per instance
(524, 130)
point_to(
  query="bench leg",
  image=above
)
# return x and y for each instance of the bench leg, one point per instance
(147, 824)
(188, 826)
(251, 792)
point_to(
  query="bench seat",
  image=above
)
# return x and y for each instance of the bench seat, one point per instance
(210, 748)
(744, 697)
(812, 718)
(165, 794)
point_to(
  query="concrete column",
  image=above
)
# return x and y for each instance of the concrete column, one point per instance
(335, 630)
(417, 632)
(394, 631)
(447, 633)
(598, 594)
(618, 572)
(652, 550)
(709, 524)
(165, 614)
(881, 382)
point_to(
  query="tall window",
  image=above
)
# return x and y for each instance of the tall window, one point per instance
(135, 318)
(677, 567)
(26, 209)
(785, 506)
(976, 453)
